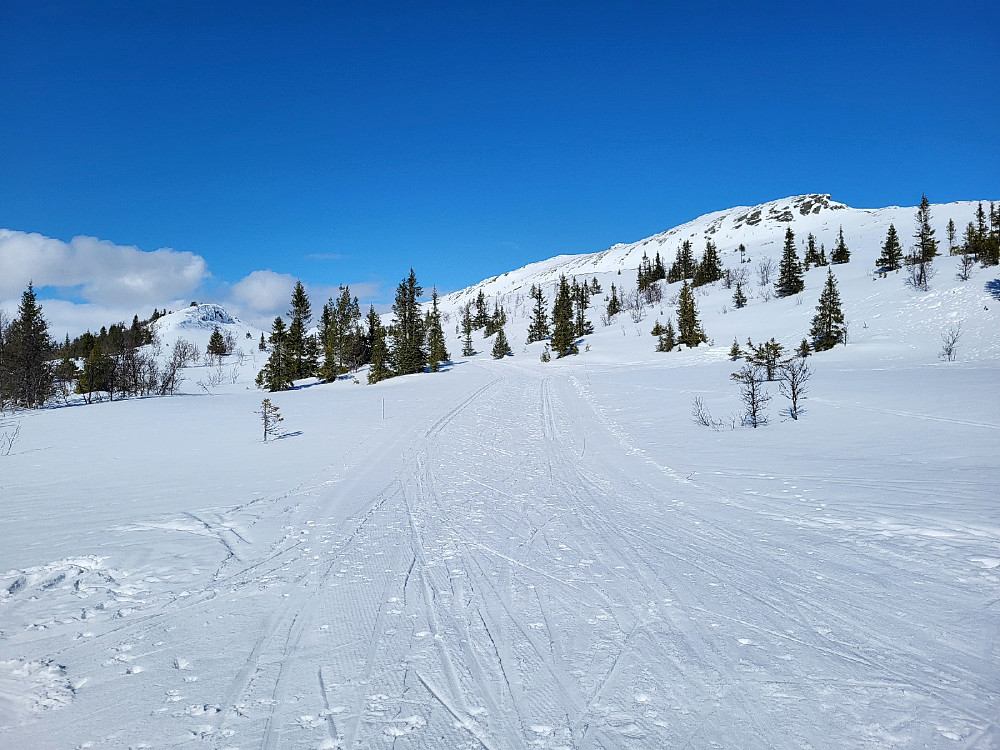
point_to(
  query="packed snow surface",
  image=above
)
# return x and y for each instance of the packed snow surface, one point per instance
(514, 554)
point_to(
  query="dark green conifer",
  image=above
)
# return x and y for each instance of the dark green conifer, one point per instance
(467, 350)
(277, 373)
(437, 351)
(789, 269)
(926, 245)
(408, 354)
(891, 258)
(539, 326)
(689, 331)
(216, 343)
(563, 338)
(739, 298)
(840, 253)
(828, 327)
(379, 366)
(666, 339)
(500, 346)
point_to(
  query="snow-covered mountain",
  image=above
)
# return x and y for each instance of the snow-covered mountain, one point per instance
(760, 228)
(196, 323)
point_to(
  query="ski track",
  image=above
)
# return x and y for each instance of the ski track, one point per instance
(508, 578)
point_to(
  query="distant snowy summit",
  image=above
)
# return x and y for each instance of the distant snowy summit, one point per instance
(196, 323)
(200, 317)
(760, 229)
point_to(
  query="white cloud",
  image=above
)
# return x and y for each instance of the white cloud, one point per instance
(263, 292)
(103, 273)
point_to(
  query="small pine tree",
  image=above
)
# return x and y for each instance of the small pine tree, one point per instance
(739, 298)
(803, 350)
(614, 303)
(689, 331)
(482, 317)
(379, 366)
(538, 330)
(216, 343)
(734, 351)
(277, 374)
(891, 258)
(926, 246)
(467, 350)
(766, 356)
(812, 257)
(500, 346)
(437, 351)
(262, 346)
(546, 354)
(563, 339)
(840, 253)
(270, 417)
(789, 269)
(828, 328)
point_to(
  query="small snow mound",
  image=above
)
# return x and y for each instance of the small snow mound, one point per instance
(28, 688)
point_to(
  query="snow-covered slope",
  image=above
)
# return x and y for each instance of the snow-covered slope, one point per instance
(196, 323)
(760, 228)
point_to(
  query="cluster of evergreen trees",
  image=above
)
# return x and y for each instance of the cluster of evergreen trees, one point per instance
(569, 315)
(684, 267)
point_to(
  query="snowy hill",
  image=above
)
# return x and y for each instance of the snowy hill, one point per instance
(196, 323)
(760, 228)
(885, 316)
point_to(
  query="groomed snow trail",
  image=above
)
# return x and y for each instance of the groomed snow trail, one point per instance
(512, 573)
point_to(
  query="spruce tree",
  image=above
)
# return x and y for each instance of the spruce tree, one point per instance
(481, 318)
(926, 246)
(581, 298)
(891, 258)
(467, 350)
(262, 346)
(689, 331)
(539, 327)
(804, 349)
(216, 343)
(953, 248)
(407, 354)
(300, 349)
(379, 366)
(437, 351)
(614, 304)
(563, 340)
(812, 257)
(500, 346)
(270, 418)
(710, 267)
(666, 337)
(27, 355)
(277, 373)
(734, 351)
(840, 253)
(828, 328)
(789, 270)
(739, 298)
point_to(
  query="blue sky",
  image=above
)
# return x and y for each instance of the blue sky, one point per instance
(344, 142)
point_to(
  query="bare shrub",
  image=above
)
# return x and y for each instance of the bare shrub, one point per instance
(8, 438)
(794, 382)
(766, 269)
(949, 342)
(966, 262)
(753, 394)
